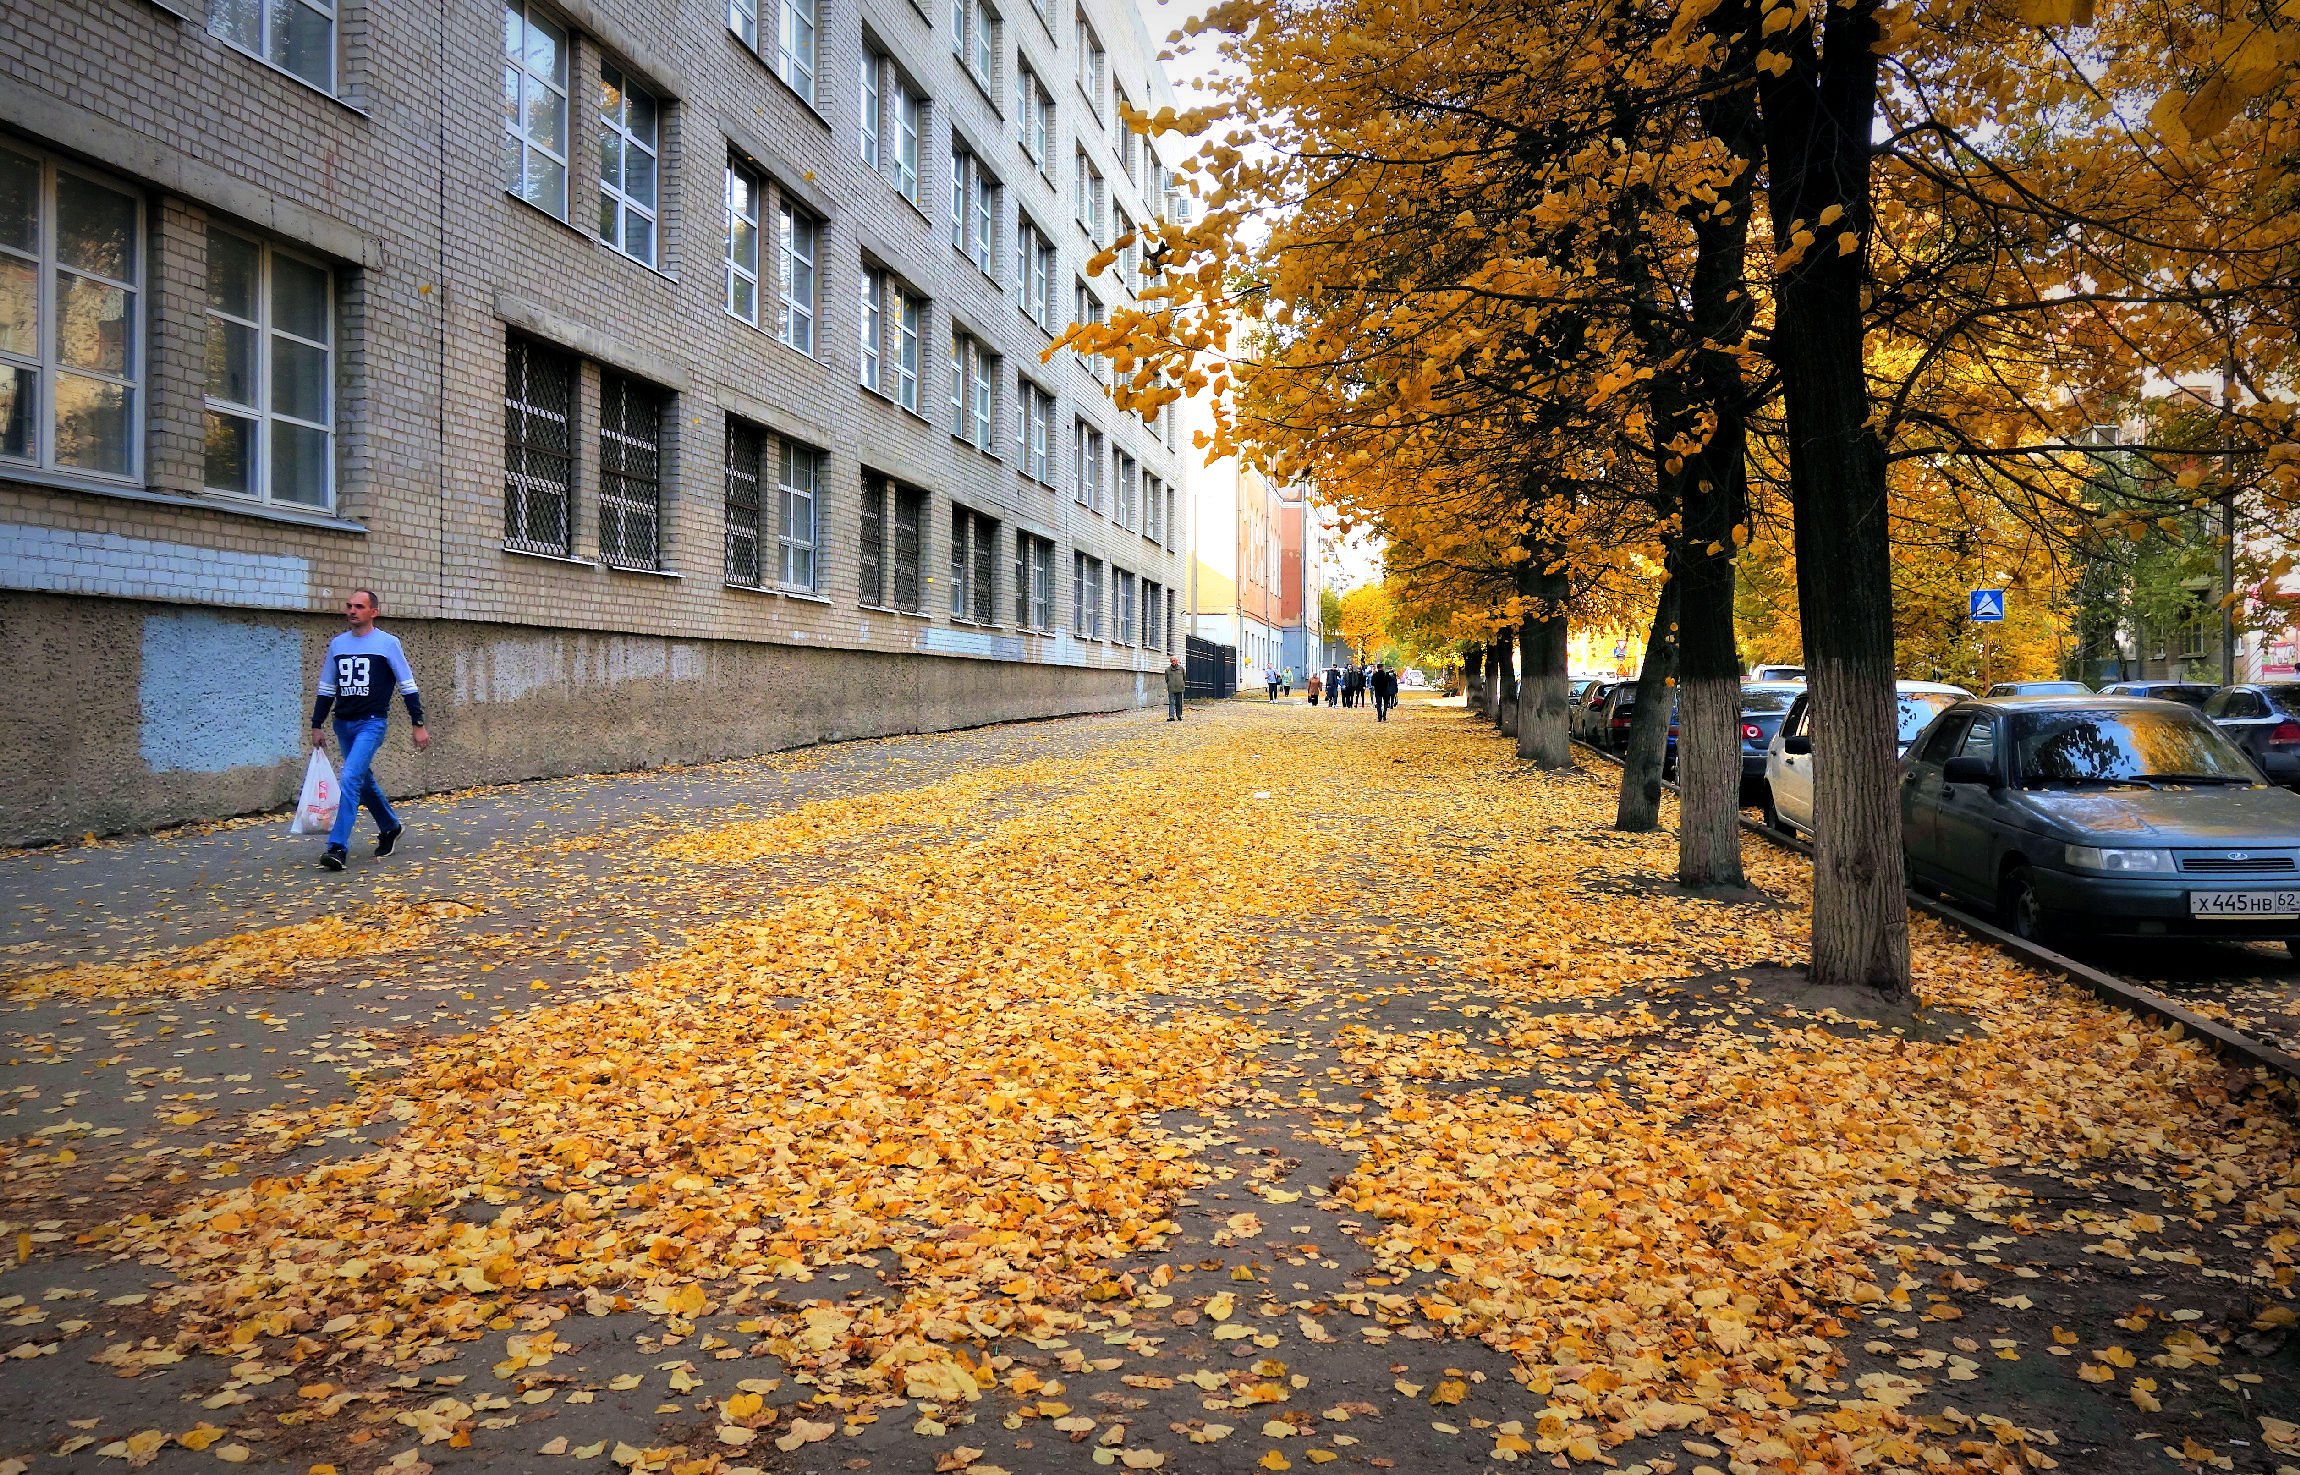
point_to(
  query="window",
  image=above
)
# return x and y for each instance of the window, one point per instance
(630, 472)
(1129, 142)
(71, 363)
(627, 166)
(746, 449)
(1085, 596)
(1033, 582)
(973, 391)
(794, 58)
(974, 209)
(974, 38)
(538, 448)
(534, 108)
(1152, 621)
(1091, 196)
(743, 20)
(797, 239)
(1033, 114)
(297, 36)
(1152, 508)
(1087, 308)
(973, 567)
(893, 519)
(1092, 64)
(1034, 272)
(1126, 481)
(1167, 524)
(1034, 432)
(1125, 263)
(271, 373)
(1087, 490)
(891, 316)
(893, 122)
(1123, 613)
(797, 530)
(743, 191)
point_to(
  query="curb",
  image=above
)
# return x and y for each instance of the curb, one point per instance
(2121, 992)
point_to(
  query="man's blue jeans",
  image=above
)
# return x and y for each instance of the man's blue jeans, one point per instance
(357, 784)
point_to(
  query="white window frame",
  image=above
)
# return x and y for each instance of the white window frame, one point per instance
(797, 44)
(1033, 113)
(266, 44)
(615, 195)
(262, 411)
(872, 108)
(739, 269)
(1093, 64)
(520, 148)
(906, 318)
(798, 489)
(873, 335)
(798, 253)
(743, 20)
(45, 362)
(909, 111)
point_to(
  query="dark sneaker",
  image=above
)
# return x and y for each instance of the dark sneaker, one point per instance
(388, 841)
(334, 859)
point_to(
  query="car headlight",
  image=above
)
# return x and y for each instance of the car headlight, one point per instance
(2098, 858)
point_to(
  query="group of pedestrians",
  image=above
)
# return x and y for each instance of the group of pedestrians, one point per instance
(1355, 686)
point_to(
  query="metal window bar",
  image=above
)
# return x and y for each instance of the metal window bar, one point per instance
(871, 565)
(961, 565)
(985, 571)
(538, 449)
(630, 472)
(745, 446)
(909, 549)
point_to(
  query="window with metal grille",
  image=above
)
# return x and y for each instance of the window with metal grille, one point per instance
(871, 543)
(909, 550)
(630, 472)
(746, 449)
(538, 448)
(798, 530)
(973, 567)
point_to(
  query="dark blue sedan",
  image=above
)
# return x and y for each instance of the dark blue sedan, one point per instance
(2113, 816)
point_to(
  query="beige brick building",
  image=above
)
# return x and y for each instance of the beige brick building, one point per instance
(672, 368)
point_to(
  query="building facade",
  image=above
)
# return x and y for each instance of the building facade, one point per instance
(673, 371)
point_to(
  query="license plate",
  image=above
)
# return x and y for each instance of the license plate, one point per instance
(2261, 905)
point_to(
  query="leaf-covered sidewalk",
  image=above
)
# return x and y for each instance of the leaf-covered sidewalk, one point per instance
(1270, 1091)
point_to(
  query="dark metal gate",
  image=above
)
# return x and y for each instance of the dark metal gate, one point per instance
(1213, 669)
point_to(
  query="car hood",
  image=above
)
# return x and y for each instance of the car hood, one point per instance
(2196, 816)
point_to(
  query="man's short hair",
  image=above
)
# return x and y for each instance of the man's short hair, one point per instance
(372, 602)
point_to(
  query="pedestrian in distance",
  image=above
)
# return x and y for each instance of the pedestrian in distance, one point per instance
(1270, 680)
(1333, 685)
(1286, 682)
(1176, 682)
(364, 666)
(1312, 688)
(1385, 683)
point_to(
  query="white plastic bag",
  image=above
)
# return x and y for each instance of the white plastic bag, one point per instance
(315, 809)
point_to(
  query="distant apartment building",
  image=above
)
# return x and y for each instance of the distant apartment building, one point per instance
(672, 371)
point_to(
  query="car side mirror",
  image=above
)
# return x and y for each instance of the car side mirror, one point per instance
(1800, 745)
(1969, 770)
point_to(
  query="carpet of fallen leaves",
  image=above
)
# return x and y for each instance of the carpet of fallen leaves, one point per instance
(1687, 1206)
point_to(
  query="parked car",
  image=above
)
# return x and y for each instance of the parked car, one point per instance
(1778, 673)
(1611, 721)
(2263, 720)
(2040, 689)
(2187, 693)
(1788, 791)
(1584, 720)
(1763, 705)
(2116, 816)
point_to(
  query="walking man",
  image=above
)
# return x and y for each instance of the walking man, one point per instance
(364, 667)
(1333, 685)
(1385, 684)
(1270, 679)
(1176, 681)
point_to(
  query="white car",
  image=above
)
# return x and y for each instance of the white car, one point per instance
(1789, 757)
(1778, 673)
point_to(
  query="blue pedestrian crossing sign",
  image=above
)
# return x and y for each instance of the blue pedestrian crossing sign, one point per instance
(1988, 606)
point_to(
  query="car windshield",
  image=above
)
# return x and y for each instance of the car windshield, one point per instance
(1766, 700)
(2194, 696)
(1918, 709)
(2285, 697)
(2124, 747)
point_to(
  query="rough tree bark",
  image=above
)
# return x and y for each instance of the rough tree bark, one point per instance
(1639, 809)
(1818, 116)
(1473, 678)
(1543, 736)
(1717, 494)
(1505, 682)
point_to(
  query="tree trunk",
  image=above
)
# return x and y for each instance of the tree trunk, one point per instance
(1817, 118)
(1716, 495)
(1639, 809)
(1543, 737)
(1473, 679)
(1505, 682)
